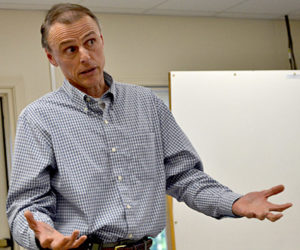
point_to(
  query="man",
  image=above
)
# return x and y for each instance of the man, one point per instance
(94, 159)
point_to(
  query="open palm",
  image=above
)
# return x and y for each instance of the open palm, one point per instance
(50, 238)
(256, 205)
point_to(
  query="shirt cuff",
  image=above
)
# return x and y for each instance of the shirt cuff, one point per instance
(39, 217)
(32, 241)
(225, 204)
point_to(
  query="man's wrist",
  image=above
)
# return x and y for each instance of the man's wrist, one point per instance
(233, 210)
(226, 203)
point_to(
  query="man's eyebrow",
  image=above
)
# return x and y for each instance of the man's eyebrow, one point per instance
(72, 40)
(90, 33)
(66, 42)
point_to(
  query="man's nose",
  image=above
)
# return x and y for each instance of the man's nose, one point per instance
(84, 55)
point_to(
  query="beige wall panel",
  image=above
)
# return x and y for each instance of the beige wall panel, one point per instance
(143, 48)
(23, 64)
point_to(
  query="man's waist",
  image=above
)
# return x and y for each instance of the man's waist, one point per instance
(94, 243)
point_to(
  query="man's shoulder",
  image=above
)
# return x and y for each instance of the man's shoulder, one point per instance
(132, 86)
(43, 103)
(133, 90)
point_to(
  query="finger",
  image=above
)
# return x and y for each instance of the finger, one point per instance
(74, 235)
(261, 216)
(250, 215)
(30, 219)
(46, 243)
(78, 242)
(63, 243)
(280, 208)
(274, 190)
(60, 244)
(71, 239)
(274, 217)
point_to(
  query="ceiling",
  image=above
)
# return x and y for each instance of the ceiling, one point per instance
(257, 9)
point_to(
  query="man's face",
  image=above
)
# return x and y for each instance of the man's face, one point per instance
(77, 49)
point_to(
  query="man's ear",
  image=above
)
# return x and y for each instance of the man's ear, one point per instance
(102, 39)
(51, 58)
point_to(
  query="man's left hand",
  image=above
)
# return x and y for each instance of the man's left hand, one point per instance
(256, 205)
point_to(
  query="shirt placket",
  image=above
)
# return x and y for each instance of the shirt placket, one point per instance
(121, 176)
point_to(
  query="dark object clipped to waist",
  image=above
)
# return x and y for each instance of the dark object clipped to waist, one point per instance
(93, 243)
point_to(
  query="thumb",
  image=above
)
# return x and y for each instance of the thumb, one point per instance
(30, 219)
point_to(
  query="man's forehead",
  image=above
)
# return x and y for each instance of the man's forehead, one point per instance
(78, 29)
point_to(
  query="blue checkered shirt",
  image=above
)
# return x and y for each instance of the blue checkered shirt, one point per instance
(104, 166)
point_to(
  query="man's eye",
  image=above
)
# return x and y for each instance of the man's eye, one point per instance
(90, 42)
(70, 50)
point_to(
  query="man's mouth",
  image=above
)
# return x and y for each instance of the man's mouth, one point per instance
(87, 71)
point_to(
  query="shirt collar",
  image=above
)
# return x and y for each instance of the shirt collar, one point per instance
(79, 96)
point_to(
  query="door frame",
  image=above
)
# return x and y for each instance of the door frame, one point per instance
(10, 117)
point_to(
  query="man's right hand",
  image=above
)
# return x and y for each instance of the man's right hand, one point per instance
(50, 238)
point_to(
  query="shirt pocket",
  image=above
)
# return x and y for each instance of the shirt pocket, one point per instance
(141, 157)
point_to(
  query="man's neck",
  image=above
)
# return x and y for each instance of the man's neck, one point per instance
(96, 91)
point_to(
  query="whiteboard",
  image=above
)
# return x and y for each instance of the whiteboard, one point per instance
(245, 125)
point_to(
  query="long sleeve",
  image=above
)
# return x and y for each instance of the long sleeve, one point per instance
(186, 180)
(30, 180)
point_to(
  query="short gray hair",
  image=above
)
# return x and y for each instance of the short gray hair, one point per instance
(65, 13)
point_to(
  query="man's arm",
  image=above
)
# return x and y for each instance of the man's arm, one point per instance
(30, 187)
(187, 182)
(31, 202)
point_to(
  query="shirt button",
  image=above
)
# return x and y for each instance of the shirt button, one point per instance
(113, 149)
(85, 109)
(130, 236)
(120, 178)
(128, 206)
(88, 99)
(106, 121)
